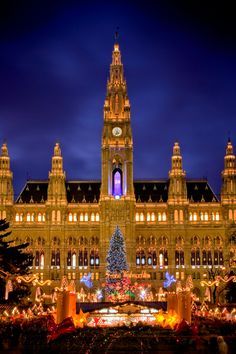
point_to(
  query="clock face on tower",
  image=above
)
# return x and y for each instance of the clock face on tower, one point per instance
(117, 131)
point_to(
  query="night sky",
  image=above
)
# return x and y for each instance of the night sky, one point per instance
(180, 66)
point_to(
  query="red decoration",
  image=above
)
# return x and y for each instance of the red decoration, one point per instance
(66, 326)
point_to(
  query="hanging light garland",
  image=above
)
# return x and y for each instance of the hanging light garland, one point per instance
(218, 280)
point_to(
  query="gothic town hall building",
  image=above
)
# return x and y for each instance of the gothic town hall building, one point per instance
(175, 224)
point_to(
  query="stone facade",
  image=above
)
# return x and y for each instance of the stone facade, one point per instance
(177, 224)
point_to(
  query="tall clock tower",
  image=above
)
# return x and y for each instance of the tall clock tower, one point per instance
(117, 199)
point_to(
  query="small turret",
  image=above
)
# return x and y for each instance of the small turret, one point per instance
(177, 188)
(56, 186)
(228, 191)
(6, 187)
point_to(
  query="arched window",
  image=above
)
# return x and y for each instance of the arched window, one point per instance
(148, 217)
(143, 258)
(149, 258)
(81, 217)
(164, 216)
(176, 216)
(138, 258)
(195, 257)
(69, 258)
(70, 217)
(28, 218)
(141, 217)
(97, 259)
(153, 217)
(117, 183)
(39, 217)
(137, 216)
(194, 216)
(190, 216)
(86, 217)
(39, 259)
(58, 215)
(97, 216)
(73, 259)
(92, 258)
(179, 258)
(92, 217)
(58, 261)
(17, 218)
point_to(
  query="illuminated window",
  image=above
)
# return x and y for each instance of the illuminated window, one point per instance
(217, 216)
(176, 216)
(137, 216)
(39, 217)
(86, 217)
(81, 218)
(4, 214)
(53, 216)
(58, 215)
(230, 214)
(153, 217)
(92, 258)
(190, 216)
(17, 218)
(117, 183)
(28, 218)
(143, 258)
(148, 217)
(194, 216)
(159, 218)
(181, 216)
(161, 259)
(92, 217)
(43, 217)
(163, 216)
(97, 260)
(74, 259)
(179, 258)
(138, 258)
(141, 217)
(97, 216)
(70, 217)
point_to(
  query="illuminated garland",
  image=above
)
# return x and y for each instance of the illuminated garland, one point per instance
(34, 279)
(217, 281)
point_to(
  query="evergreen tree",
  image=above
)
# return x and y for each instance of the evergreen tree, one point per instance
(117, 284)
(116, 258)
(13, 262)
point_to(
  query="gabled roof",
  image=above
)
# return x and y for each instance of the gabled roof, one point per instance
(146, 191)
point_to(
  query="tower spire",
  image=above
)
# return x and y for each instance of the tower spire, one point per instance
(56, 186)
(228, 192)
(177, 188)
(6, 187)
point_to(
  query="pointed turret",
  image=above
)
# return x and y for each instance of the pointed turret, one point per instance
(6, 187)
(117, 141)
(228, 191)
(116, 104)
(177, 188)
(56, 186)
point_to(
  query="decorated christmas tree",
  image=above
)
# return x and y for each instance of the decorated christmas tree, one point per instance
(117, 283)
(14, 261)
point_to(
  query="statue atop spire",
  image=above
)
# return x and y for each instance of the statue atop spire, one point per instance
(116, 34)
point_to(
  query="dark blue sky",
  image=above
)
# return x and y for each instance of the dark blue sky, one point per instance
(180, 66)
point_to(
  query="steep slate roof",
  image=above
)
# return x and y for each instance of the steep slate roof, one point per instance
(89, 191)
